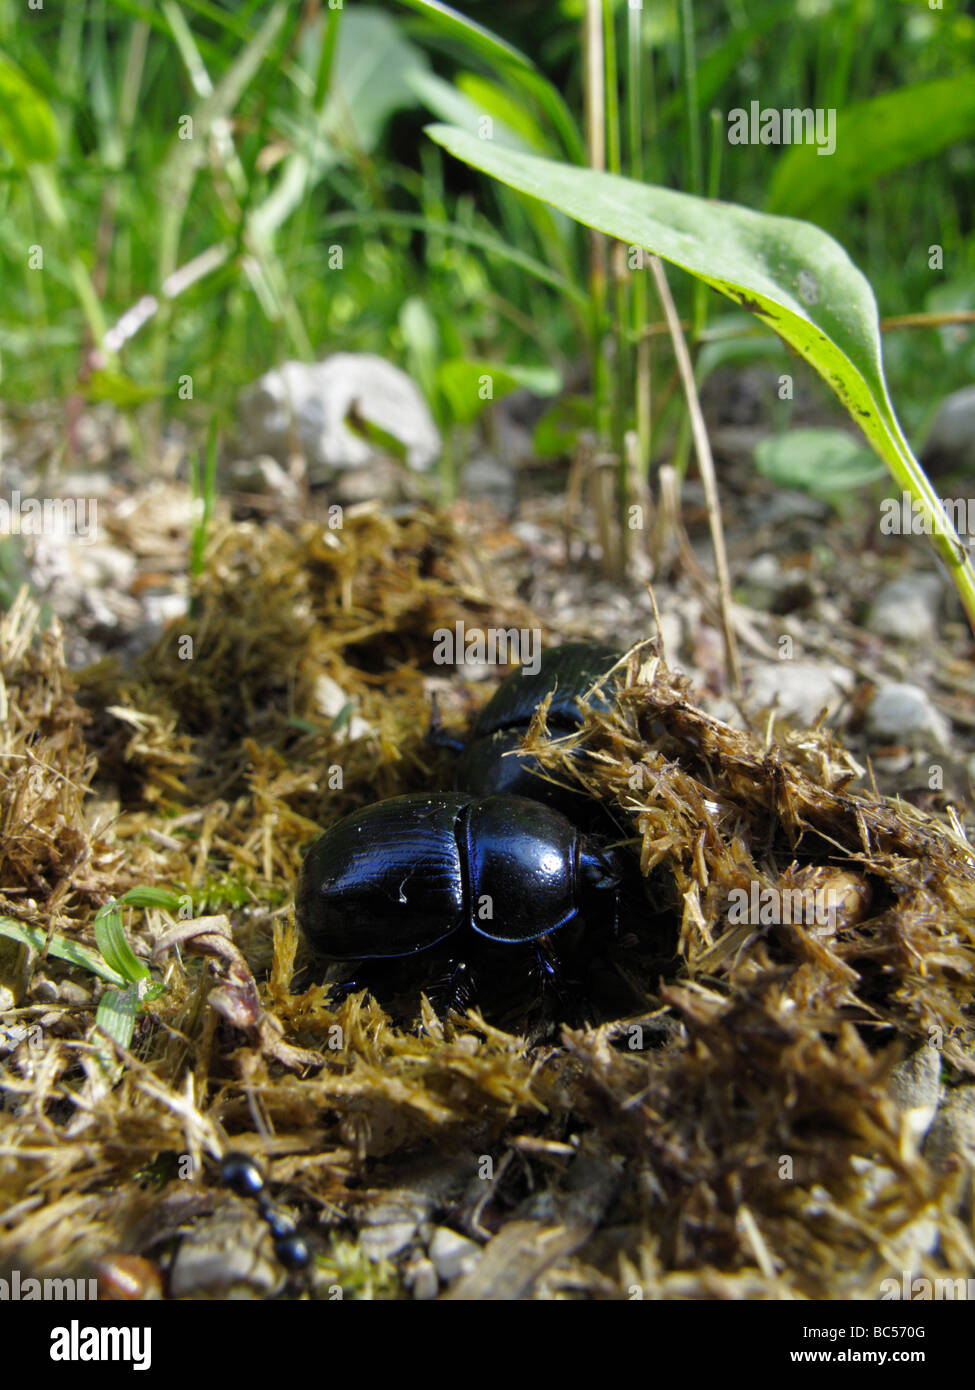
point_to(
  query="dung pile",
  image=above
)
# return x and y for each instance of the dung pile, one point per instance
(754, 1126)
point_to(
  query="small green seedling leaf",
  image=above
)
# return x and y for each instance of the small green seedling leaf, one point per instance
(471, 385)
(117, 1012)
(343, 717)
(364, 428)
(557, 432)
(823, 462)
(105, 384)
(110, 936)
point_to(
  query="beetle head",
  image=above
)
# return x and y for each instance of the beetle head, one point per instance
(599, 869)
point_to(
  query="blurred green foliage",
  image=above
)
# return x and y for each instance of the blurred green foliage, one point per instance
(327, 220)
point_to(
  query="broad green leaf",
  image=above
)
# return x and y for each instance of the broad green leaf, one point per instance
(463, 383)
(28, 131)
(61, 948)
(791, 274)
(370, 79)
(823, 462)
(874, 138)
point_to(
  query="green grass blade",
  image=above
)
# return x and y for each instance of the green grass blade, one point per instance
(61, 948)
(519, 68)
(470, 235)
(326, 57)
(474, 37)
(152, 897)
(28, 130)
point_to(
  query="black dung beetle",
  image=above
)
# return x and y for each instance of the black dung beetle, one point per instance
(396, 878)
(570, 671)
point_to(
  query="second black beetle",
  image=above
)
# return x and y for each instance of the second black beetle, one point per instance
(396, 878)
(491, 762)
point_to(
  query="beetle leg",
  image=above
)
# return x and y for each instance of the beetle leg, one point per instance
(551, 975)
(454, 990)
(339, 990)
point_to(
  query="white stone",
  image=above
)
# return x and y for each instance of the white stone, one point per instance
(907, 609)
(951, 440)
(764, 572)
(799, 690)
(421, 1278)
(952, 1135)
(383, 1242)
(307, 404)
(452, 1254)
(915, 1088)
(264, 476)
(331, 700)
(161, 609)
(902, 713)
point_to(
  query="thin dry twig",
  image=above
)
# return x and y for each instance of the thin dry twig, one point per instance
(705, 461)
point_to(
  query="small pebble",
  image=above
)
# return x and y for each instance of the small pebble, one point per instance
(421, 1279)
(901, 713)
(915, 1088)
(907, 609)
(263, 476)
(799, 690)
(452, 1254)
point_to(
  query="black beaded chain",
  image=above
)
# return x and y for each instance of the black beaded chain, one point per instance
(242, 1174)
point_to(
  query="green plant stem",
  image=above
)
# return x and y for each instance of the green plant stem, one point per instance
(47, 194)
(326, 56)
(621, 375)
(639, 292)
(595, 73)
(688, 44)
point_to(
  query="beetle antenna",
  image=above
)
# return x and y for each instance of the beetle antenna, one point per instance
(436, 735)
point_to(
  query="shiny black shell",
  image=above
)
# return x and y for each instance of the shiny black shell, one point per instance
(569, 671)
(397, 877)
